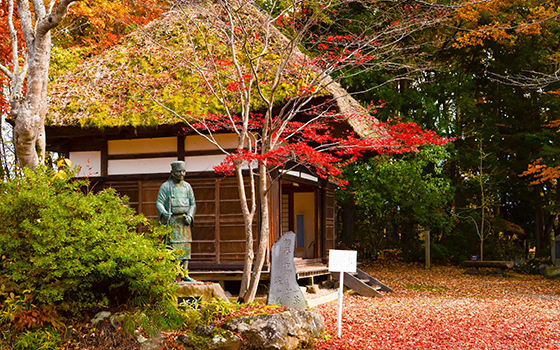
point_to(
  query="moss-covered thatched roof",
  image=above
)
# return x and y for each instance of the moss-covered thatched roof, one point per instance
(156, 70)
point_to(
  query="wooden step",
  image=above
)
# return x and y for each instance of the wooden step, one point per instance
(373, 281)
(357, 285)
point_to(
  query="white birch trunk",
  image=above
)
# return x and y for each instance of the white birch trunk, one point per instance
(29, 108)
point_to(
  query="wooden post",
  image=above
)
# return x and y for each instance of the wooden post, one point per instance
(339, 308)
(342, 261)
(427, 243)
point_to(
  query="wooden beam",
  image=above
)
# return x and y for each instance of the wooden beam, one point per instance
(181, 147)
(104, 160)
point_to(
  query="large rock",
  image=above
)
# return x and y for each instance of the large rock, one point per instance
(209, 338)
(287, 330)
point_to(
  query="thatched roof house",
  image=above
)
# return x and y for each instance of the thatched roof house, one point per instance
(122, 117)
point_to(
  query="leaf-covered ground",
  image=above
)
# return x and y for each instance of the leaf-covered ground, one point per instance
(444, 308)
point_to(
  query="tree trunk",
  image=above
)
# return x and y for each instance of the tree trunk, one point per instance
(29, 112)
(540, 236)
(483, 203)
(248, 215)
(482, 248)
(263, 236)
(29, 106)
(482, 222)
(29, 135)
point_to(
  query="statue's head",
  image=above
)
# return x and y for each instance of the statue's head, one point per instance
(178, 170)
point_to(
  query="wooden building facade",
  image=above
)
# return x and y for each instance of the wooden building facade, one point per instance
(104, 118)
(136, 162)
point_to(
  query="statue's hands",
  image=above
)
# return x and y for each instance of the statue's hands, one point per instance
(164, 218)
(187, 219)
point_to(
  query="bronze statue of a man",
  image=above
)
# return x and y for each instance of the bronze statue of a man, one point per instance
(176, 207)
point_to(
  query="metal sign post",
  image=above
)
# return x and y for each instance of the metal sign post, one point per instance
(342, 261)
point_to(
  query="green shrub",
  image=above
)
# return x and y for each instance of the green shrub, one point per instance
(208, 313)
(78, 251)
(39, 339)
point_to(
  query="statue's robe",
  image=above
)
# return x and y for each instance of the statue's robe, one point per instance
(178, 199)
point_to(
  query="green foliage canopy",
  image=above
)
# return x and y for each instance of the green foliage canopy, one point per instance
(394, 196)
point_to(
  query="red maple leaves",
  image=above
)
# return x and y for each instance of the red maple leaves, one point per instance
(445, 309)
(314, 145)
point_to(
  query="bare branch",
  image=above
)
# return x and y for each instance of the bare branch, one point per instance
(54, 18)
(6, 71)
(13, 37)
(39, 8)
(51, 6)
(532, 79)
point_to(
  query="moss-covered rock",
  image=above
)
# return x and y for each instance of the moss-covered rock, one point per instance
(287, 330)
(209, 338)
(552, 272)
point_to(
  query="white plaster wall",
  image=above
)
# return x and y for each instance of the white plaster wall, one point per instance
(162, 165)
(140, 166)
(203, 163)
(301, 175)
(200, 143)
(145, 146)
(165, 144)
(88, 163)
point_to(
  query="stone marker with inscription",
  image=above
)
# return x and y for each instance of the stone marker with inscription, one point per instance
(284, 289)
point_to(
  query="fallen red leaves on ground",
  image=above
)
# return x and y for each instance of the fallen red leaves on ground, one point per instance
(444, 308)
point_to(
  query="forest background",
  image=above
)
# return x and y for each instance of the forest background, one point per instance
(483, 76)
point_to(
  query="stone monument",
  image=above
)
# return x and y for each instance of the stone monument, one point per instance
(284, 289)
(176, 207)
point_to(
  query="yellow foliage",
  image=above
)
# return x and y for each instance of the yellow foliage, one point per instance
(475, 38)
(64, 163)
(542, 173)
(469, 14)
(507, 18)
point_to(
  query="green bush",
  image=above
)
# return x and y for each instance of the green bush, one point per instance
(77, 251)
(39, 339)
(389, 197)
(209, 313)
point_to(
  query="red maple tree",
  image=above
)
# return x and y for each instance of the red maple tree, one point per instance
(251, 61)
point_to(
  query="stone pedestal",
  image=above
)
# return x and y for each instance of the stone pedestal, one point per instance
(288, 330)
(203, 291)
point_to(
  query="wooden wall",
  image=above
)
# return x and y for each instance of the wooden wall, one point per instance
(218, 230)
(136, 165)
(329, 229)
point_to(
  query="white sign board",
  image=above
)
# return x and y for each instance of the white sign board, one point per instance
(343, 260)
